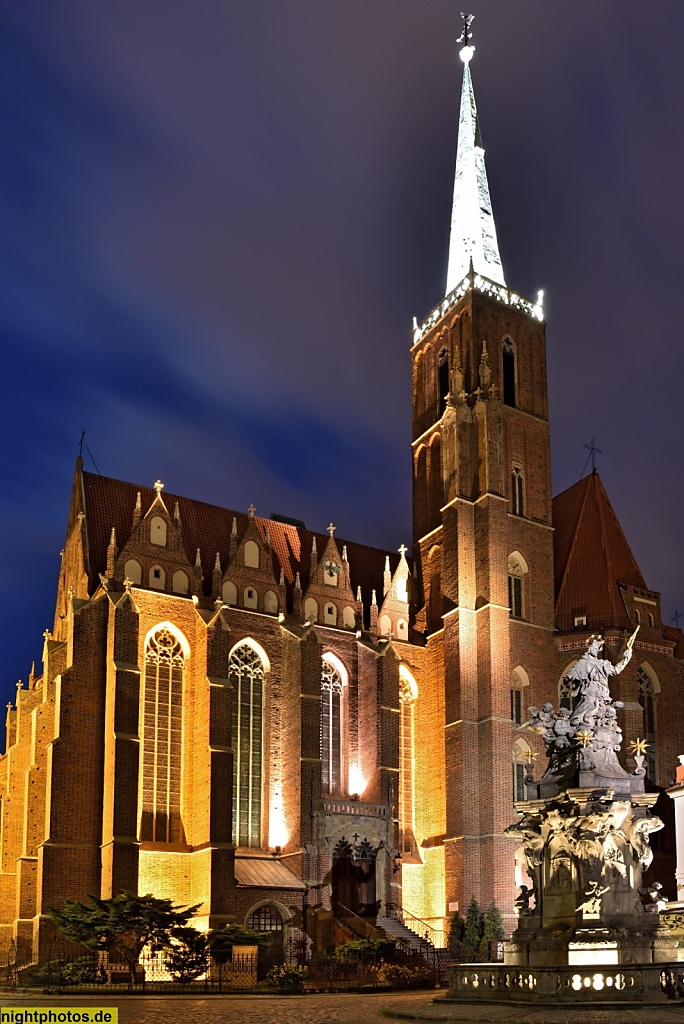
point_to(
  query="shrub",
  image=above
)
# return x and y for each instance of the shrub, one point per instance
(364, 950)
(287, 976)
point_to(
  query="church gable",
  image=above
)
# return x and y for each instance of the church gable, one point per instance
(249, 580)
(393, 616)
(154, 556)
(329, 599)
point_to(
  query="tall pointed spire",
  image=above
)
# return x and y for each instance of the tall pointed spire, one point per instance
(473, 234)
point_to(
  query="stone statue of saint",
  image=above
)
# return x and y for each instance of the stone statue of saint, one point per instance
(589, 678)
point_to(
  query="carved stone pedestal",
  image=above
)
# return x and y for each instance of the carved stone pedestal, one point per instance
(586, 850)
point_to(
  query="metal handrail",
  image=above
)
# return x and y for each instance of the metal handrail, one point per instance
(435, 936)
(367, 930)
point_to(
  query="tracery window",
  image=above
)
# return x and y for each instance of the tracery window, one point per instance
(161, 738)
(408, 693)
(647, 691)
(246, 675)
(332, 726)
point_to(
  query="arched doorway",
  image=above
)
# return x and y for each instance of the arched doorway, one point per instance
(353, 878)
(267, 918)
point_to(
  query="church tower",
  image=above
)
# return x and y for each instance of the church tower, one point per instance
(482, 528)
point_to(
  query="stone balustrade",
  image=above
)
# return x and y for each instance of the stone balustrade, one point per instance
(595, 983)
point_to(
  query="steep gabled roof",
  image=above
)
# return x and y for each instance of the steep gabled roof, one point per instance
(591, 558)
(110, 503)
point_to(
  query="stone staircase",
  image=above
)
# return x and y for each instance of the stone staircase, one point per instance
(399, 931)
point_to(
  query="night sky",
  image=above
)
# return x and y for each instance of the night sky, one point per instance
(218, 218)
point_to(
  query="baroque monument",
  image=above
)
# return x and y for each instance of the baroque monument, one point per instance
(584, 829)
(587, 927)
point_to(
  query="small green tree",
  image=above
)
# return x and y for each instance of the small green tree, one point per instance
(188, 957)
(474, 925)
(493, 929)
(456, 932)
(123, 925)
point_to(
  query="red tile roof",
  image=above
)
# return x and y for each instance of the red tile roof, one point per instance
(110, 503)
(591, 558)
(675, 634)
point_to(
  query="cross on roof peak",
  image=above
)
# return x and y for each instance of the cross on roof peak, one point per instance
(251, 511)
(593, 452)
(158, 486)
(402, 549)
(331, 528)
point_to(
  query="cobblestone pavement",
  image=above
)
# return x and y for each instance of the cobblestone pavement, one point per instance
(345, 1008)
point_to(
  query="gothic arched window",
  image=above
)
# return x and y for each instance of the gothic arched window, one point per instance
(443, 379)
(519, 680)
(521, 755)
(246, 675)
(332, 724)
(161, 738)
(408, 693)
(648, 688)
(517, 494)
(517, 568)
(508, 371)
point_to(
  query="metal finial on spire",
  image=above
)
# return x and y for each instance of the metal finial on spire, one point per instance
(466, 35)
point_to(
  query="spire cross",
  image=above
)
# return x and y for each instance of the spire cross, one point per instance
(158, 486)
(402, 550)
(593, 452)
(331, 529)
(251, 511)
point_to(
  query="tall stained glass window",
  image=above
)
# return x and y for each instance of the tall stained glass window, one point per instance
(246, 674)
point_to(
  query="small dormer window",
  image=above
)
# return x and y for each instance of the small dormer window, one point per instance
(158, 531)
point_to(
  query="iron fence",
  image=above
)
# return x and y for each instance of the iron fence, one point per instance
(296, 968)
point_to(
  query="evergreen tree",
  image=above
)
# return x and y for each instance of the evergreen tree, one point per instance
(123, 925)
(492, 930)
(456, 932)
(474, 925)
(188, 957)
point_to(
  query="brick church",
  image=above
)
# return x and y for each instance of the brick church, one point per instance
(296, 731)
